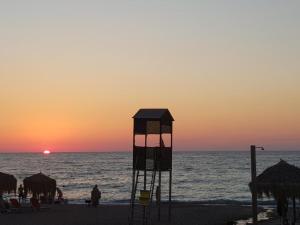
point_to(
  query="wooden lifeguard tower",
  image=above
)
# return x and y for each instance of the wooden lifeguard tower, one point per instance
(152, 153)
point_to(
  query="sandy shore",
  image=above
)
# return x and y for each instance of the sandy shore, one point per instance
(182, 214)
(275, 221)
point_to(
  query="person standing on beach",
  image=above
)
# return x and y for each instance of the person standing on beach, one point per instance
(95, 196)
(21, 192)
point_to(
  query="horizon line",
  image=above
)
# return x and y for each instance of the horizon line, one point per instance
(129, 151)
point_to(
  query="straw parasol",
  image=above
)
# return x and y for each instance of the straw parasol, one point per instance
(40, 184)
(8, 183)
(280, 180)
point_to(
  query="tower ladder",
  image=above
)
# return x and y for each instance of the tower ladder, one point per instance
(141, 213)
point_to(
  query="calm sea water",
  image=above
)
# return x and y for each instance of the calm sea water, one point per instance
(197, 176)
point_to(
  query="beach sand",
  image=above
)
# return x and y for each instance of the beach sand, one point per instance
(182, 214)
(275, 221)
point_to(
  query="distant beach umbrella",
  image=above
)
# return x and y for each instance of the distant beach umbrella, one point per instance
(8, 183)
(280, 180)
(40, 184)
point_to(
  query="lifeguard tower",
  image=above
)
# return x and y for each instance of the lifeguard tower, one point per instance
(152, 153)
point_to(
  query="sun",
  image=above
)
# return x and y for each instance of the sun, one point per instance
(46, 152)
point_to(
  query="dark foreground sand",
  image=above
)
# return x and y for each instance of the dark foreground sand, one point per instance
(275, 221)
(183, 214)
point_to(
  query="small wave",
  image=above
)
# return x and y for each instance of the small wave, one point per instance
(206, 202)
(234, 202)
(114, 202)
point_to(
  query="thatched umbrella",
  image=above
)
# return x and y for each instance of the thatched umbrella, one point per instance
(8, 183)
(281, 181)
(40, 184)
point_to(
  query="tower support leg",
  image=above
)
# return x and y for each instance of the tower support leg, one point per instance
(132, 192)
(159, 200)
(170, 196)
(145, 187)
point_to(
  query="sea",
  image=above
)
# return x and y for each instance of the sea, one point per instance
(207, 177)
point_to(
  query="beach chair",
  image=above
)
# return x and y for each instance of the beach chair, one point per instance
(15, 205)
(35, 205)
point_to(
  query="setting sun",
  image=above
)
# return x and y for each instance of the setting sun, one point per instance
(46, 152)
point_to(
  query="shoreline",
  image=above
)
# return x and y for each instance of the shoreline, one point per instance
(268, 203)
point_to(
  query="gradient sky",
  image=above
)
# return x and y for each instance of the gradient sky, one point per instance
(72, 73)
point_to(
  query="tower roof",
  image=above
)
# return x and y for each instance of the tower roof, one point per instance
(154, 114)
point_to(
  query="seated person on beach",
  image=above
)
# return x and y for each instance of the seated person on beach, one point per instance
(95, 196)
(59, 195)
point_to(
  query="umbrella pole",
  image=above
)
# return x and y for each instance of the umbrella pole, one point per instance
(254, 192)
(294, 210)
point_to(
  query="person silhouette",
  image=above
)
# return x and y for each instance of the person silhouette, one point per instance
(59, 195)
(21, 192)
(95, 196)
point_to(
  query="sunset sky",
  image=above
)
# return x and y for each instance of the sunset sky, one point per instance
(73, 73)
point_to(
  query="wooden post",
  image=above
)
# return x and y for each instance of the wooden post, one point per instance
(159, 202)
(145, 179)
(294, 210)
(132, 192)
(170, 194)
(145, 170)
(159, 170)
(133, 176)
(170, 178)
(254, 191)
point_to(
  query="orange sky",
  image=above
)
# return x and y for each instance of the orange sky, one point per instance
(72, 76)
